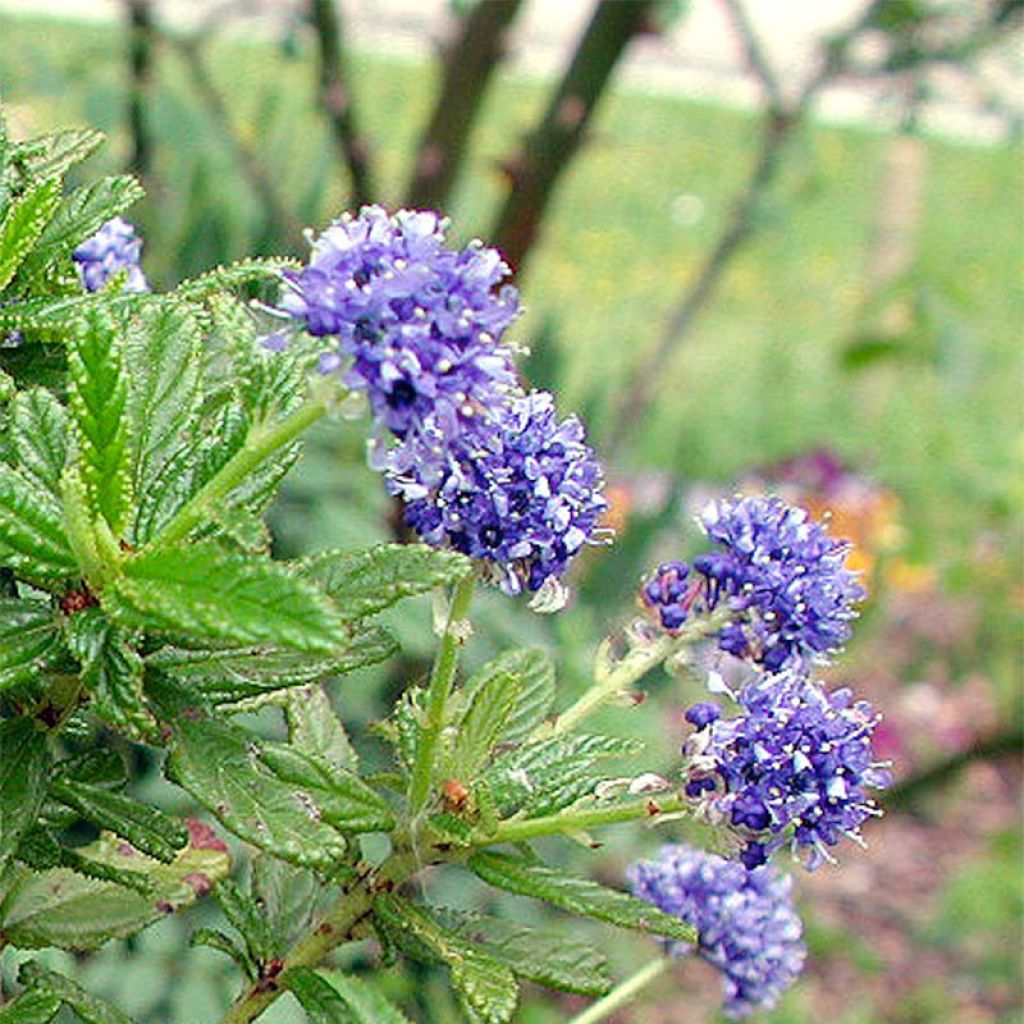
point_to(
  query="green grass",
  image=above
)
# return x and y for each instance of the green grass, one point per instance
(759, 378)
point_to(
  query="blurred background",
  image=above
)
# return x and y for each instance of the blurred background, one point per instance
(761, 244)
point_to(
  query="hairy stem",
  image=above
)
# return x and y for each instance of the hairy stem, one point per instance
(263, 441)
(326, 934)
(441, 679)
(637, 663)
(622, 993)
(566, 822)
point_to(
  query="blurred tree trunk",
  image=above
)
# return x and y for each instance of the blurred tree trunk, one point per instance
(469, 62)
(534, 171)
(141, 46)
(336, 98)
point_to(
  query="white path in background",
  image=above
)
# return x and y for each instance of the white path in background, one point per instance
(699, 58)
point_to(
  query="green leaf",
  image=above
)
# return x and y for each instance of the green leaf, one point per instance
(98, 400)
(200, 590)
(485, 985)
(24, 763)
(220, 765)
(490, 707)
(542, 956)
(22, 225)
(30, 1008)
(30, 641)
(111, 670)
(82, 214)
(287, 896)
(90, 1008)
(32, 538)
(240, 673)
(536, 696)
(315, 729)
(224, 278)
(39, 431)
(344, 800)
(224, 944)
(187, 468)
(146, 828)
(164, 351)
(577, 895)
(247, 918)
(365, 582)
(545, 776)
(50, 155)
(62, 908)
(341, 1000)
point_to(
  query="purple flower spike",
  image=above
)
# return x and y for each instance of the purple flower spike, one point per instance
(792, 769)
(783, 575)
(518, 490)
(745, 921)
(417, 324)
(668, 594)
(112, 249)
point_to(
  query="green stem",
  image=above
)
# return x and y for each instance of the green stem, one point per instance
(565, 822)
(441, 679)
(622, 994)
(636, 664)
(326, 934)
(263, 441)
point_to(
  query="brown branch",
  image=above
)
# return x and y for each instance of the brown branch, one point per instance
(283, 220)
(469, 63)
(757, 61)
(336, 99)
(915, 786)
(141, 38)
(548, 150)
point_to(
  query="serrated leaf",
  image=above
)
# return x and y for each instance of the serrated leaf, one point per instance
(111, 670)
(340, 1000)
(30, 1008)
(314, 728)
(99, 401)
(146, 828)
(24, 763)
(164, 350)
(22, 225)
(363, 583)
(50, 155)
(536, 697)
(490, 707)
(287, 897)
(200, 590)
(32, 538)
(91, 1009)
(240, 673)
(577, 895)
(62, 908)
(225, 944)
(248, 919)
(224, 278)
(55, 319)
(82, 214)
(344, 800)
(219, 764)
(39, 432)
(485, 985)
(30, 641)
(544, 776)
(186, 470)
(542, 956)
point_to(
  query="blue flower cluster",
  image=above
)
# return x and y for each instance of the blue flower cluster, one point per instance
(745, 921)
(521, 490)
(791, 769)
(114, 249)
(780, 574)
(417, 324)
(481, 466)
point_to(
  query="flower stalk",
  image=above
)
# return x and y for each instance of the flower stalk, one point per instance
(623, 993)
